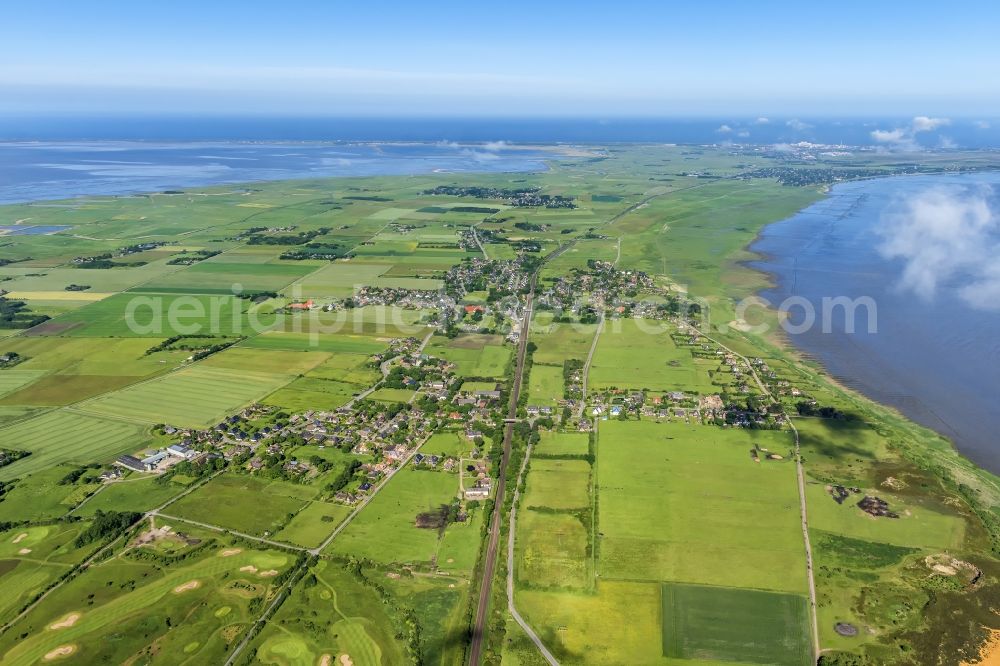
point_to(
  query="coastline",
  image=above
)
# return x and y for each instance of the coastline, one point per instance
(133, 172)
(780, 340)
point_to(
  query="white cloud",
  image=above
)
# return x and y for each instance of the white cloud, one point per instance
(724, 129)
(982, 124)
(946, 237)
(798, 125)
(925, 124)
(494, 146)
(743, 134)
(889, 136)
(762, 120)
(905, 138)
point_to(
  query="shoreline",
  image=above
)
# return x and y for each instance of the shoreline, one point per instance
(781, 340)
(119, 185)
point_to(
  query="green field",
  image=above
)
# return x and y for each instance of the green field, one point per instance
(157, 315)
(136, 493)
(194, 397)
(313, 524)
(563, 444)
(637, 354)
(545, 385)
(385, 531)
(41, 496)
(558, 484)
(552, 551)
(65, 436)
(392, 395)
(215, 275)
(726, 624)
(244, 503)
(688, 504)
(475, 355)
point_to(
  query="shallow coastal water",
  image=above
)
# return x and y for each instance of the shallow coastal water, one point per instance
(41, 171)
(926, 250)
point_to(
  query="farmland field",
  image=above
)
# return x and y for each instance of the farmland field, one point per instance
(385, 531)
(65, 436)
(688, 504)
(475, 355)
(545, 385)
(155, 315)
(242, 503)
(193, 397)
(563, 444)
(726, 624)
(553, 551)
(313, 524)
(640, 355)
(558, 484)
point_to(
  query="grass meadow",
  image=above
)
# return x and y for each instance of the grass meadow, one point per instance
(66, 436)
(688, 504)
(244, 503)
(194, 397)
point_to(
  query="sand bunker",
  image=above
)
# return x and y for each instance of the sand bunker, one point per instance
(345, 660)
(268, 573)
(61, 651)
(20, 537)
(24, 551)
(249, 568)
(67, 621)
(190, 585)
(325, 660)
(229, 552)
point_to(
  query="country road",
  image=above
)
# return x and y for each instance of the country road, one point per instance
(511, 529)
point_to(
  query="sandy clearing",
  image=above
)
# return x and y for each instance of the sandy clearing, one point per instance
(268, 573)
(989, 655)
(229, 552)
(67, 621)
(325, 660)
(20, 537)
(190, 585)
(249, 568)
(345, 660)
(61, 651)
(24, 551)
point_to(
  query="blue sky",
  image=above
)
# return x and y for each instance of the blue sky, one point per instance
(510, 58)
